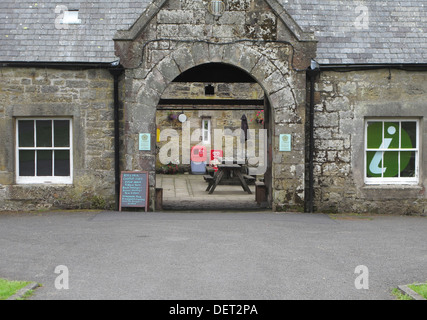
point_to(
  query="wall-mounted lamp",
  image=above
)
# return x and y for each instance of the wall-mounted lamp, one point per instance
(216, 7)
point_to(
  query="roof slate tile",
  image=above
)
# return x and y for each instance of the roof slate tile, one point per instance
(395, 31)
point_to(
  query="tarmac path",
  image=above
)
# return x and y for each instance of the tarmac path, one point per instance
(211, 255)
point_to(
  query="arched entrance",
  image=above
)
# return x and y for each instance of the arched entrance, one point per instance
(258, 37)
(204, 110)
(285, 105)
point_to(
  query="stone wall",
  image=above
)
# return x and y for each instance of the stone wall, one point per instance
(256, 36)
(85, 96)
(343, 101)
(196, 90)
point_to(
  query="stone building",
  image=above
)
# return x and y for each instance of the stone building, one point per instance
(345, 81)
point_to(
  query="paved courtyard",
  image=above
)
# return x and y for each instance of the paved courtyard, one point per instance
(188, 191)
(212, 255)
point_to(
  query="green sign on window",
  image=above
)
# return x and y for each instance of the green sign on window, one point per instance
(391, 149)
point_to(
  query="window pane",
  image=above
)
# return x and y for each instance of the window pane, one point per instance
(391, 135)
(26, 133)
(26, 163)
(44, 133)
(409, 135)
(391, 164)
(44, 163)
(407, 164)
(374, 164)
(62, 163)
(375, 135)
(61, 132)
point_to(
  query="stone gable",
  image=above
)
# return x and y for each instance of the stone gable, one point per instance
(165, 24)
(256, 36)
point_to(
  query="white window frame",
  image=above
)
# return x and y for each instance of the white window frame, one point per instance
(44, 179)
(71, 17)
(208, 139)
(392, 180)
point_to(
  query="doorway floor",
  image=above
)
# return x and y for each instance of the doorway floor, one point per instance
(187, 192)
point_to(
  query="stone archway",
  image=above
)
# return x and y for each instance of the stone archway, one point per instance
(267, 64)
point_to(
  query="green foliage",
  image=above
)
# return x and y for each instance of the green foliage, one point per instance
(421, 289)
(172, 169)
(9, 288)
(399, 295)
(98, 202)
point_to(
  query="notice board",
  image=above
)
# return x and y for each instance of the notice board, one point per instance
(134, 189)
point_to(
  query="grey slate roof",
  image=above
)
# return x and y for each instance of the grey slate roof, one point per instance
(28, 32)
(396, 32)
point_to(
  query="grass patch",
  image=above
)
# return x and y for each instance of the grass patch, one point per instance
(26, 295)
(9, 288)
(399, 295)
(421, 289)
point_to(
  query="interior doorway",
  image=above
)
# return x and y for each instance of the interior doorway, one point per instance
(199, 122)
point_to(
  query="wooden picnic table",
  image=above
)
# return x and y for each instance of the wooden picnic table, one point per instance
(228, 170)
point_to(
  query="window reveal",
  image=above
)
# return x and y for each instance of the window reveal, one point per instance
(44, 151)
(206, 130)
(391, 151)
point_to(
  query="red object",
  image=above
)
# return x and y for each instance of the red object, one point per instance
(215, 155)
(198, 154)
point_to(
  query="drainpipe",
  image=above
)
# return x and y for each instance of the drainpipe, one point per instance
(116, 72)
(312, 72)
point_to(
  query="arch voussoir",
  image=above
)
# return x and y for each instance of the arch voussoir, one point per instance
(183, 58)
(168, 68)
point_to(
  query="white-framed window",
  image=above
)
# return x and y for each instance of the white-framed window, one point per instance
(44, 152)
(206, 130)
(71, 17)
(391, 151)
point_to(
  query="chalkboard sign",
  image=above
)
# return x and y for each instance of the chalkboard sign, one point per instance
(134, 189)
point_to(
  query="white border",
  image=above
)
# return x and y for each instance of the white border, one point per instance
(394, 180)
(208, 141)
(43, 179)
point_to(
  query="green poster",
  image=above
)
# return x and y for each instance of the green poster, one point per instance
(391, 136)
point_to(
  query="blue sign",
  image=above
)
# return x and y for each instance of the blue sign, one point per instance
(134, 189)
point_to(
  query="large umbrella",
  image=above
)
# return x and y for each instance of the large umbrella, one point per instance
(244, 126)
(244, 135)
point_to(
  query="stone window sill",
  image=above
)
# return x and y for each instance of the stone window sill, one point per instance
(393, 186)
(392, 192)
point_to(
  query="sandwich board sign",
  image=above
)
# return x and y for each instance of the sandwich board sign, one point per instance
(134, 189)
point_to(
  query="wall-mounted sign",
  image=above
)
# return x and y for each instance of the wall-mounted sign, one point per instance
(285, 143)
(134, 189)
(145, 141)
